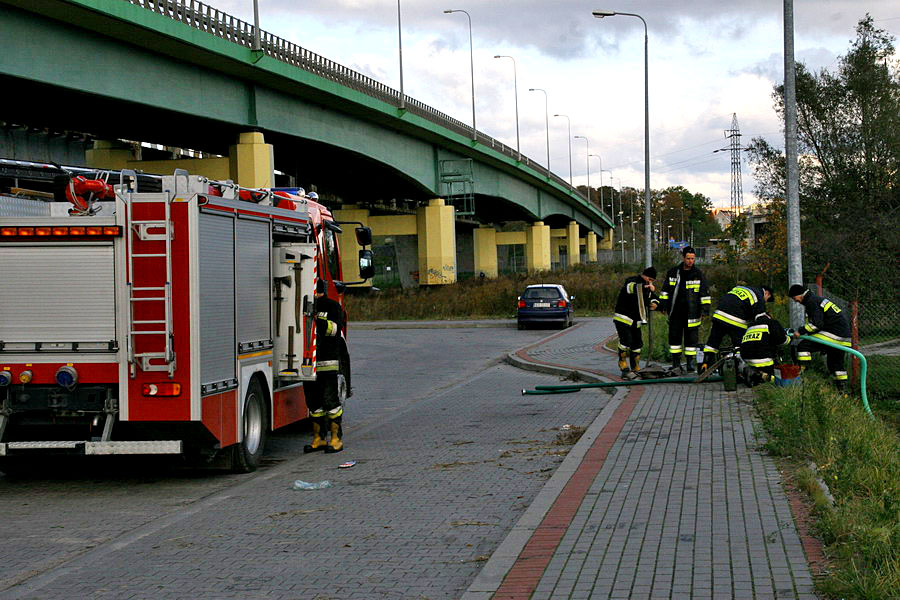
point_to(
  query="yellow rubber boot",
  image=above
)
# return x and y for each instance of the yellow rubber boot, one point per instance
(635, 361)
(623, 361)
(318, 441)
(335, 444)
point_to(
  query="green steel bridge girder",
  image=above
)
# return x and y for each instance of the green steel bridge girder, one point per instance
(138, 67)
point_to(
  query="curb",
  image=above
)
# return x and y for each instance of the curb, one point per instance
(370, 325)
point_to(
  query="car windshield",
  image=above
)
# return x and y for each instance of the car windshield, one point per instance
(542, 294)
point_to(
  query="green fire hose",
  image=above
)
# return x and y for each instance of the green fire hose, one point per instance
(574, 387)
(862, 360)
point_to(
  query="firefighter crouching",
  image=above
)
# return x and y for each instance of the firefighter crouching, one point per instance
(759, 347)
(685, 298)
(323, 400)
(736, 311)
(631, 311)
(824, 320)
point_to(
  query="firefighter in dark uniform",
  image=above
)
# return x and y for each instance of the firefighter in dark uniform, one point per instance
(636, 295)
(759, 346)
(324, 403)
(685, 298)
(825, 321)
(736, 311)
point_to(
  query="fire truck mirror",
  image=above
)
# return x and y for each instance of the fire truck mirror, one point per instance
(366, 264)
(363, 237)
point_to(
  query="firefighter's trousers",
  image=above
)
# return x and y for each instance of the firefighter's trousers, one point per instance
(680, 331)
(323, 400)
(629, 337)
(834, 358)
(718, 331)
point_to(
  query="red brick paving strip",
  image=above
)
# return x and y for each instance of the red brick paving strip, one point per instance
(525, 574)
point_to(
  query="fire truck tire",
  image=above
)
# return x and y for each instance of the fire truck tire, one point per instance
(248, 452)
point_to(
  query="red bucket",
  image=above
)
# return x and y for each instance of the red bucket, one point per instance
(787, 374)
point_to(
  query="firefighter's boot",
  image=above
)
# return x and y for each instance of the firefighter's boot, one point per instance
(635, 359)
(623, 361)
(676, 362)
(318, 441)
(690, 363)
(335, 444)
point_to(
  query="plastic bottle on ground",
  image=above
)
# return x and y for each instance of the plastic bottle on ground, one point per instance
(306, 485)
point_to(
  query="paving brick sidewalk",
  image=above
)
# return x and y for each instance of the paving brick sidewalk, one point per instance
(665, 496)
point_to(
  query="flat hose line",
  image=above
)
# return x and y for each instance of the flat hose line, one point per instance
(566, 389)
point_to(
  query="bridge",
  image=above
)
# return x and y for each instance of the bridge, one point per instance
(182, 74)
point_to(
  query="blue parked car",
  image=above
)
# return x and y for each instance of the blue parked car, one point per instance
(545, 303)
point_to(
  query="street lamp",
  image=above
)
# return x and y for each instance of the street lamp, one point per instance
(587, 162)
(569, 121)
(546, 124)
(516, 91)
(648, 257)
(622, 230)
(400, 46)
(257, 43)
(601, 181)
(471, 65)
(612, 207)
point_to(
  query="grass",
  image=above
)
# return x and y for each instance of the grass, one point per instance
(859, 459)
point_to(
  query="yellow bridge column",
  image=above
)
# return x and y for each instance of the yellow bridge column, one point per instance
(106, 154)
(252, 161)
(591, 245)
(573, 244)
(436, 228)
(349, 248)
(485, 242)
(537, 247)
(607, 242)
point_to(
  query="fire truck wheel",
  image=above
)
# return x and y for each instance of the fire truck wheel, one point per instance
(248, 452)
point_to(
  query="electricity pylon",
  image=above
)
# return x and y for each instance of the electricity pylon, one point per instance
(737, 192)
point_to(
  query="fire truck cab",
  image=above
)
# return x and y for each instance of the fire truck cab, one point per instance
(146, 314)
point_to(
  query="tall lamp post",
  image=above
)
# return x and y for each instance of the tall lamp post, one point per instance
(516, 92)
(546, 123)
(257, 43)
(569, 122)
(400, 46)
(471, 65)
(612, 207)
(601, 180)
(648, 249)
(587, 162)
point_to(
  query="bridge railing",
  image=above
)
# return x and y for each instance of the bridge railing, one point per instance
(212, 20)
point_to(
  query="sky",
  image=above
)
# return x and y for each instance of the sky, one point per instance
(708, 60)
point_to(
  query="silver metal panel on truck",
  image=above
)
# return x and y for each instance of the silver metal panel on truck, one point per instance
(217, 344)
(57, 293)
(253, 283)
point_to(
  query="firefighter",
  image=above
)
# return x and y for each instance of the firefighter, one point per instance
(631, 311)
(324, 403)
(825, 321)
(685, 298)
(734, 313)
(759, 346)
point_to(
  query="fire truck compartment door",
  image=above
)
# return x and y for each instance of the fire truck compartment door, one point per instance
(57, 294)
(293, 269)
(217, 327)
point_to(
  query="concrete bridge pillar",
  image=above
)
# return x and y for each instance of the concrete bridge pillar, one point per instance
(607, 242)
(485, 242)
(537, 247)
(109, 154)
(349, 248)
(573, 243)
(252, 161)
(436, 228)
(591, 246)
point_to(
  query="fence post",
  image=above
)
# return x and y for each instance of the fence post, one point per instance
(854, 338)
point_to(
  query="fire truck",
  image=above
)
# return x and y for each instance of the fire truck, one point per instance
(144, 314)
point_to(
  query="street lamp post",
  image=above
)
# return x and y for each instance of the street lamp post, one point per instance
(601, 180)
(400, 46)
(648, 256)
(257, 43)
(569, 122)
(516, 92)
(546, 123)
(587, 162)
(471, 65)
(612, 208)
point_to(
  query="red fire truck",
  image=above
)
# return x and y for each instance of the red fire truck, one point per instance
(148, 314)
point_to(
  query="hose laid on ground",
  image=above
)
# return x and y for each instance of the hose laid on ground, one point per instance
(862, 360)
(575, 387)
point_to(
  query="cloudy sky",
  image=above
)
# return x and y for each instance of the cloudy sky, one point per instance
(708, 59)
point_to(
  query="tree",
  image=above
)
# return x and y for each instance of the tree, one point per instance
(849, 165)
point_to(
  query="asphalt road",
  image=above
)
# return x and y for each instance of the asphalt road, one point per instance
(449, 455)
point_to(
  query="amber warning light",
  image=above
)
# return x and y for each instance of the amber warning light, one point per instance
(161, 389)
(28, 232)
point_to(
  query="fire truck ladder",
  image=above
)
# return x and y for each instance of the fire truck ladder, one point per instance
(150, 230)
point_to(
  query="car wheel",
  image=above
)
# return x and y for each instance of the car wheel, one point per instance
(520, 325)
(247, 453)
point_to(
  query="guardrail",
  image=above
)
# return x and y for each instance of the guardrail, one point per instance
(204, 17)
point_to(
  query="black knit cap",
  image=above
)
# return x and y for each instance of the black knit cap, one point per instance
(649, 272)
(796, 290)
